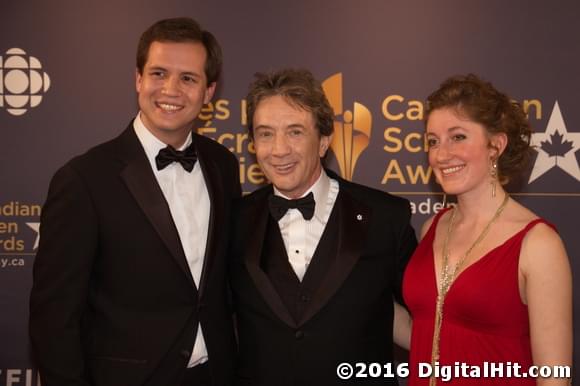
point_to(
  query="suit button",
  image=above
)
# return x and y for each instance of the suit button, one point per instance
(299, 335)
(304, 298)
(185, 354)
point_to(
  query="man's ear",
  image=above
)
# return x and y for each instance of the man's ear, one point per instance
(138, 77)
(209, 92)
(325, 141)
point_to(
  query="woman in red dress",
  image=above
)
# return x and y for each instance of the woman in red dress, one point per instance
(489, 288)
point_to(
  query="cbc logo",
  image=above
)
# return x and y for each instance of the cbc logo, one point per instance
(22, 81)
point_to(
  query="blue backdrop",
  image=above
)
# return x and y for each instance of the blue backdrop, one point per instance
(67, 83)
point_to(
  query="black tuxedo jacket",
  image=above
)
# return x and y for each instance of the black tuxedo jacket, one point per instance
(348, 318)
(113, 300)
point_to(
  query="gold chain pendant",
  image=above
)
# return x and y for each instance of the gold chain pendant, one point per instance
(447, 279)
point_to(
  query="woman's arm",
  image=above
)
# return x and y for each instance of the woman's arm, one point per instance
(546, 287)
(402, 324)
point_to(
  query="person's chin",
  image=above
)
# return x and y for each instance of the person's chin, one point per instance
(455, 189)
(283, 184)
(172, 126)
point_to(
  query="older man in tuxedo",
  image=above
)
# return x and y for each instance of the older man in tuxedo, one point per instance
(315, 260)
(129, 280)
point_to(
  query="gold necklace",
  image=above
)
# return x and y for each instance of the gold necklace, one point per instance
(448, 277)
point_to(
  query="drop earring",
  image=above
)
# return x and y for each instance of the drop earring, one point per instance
(493, 173)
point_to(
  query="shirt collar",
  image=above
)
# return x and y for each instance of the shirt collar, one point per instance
(320, 189)
(151, 143)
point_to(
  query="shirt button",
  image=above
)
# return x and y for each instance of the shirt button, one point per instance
(299, 335)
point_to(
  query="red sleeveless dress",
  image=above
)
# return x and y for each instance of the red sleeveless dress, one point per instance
(484, 319)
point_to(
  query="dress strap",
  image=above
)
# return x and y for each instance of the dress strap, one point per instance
(431, 231)
(533, 223)
(440, 213)
(521, 234)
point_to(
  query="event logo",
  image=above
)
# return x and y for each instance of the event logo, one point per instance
(351, 134)
(17, 377)
(556, 147)
(22, 81)
(19, 233)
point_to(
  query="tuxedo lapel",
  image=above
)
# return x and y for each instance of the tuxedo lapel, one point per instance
(353, 219)
(215, 190)
(258, 214)
(142, 184)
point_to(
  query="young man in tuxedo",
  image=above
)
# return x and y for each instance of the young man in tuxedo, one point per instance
(315, 260)
(129, 280)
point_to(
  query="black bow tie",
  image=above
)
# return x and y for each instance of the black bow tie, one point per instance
(168, 155)
(279, 206)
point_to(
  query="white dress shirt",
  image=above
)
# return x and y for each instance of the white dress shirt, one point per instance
(188, 199)
(301, 236)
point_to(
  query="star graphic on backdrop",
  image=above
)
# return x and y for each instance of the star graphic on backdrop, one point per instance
(35, 226)
(556, 147)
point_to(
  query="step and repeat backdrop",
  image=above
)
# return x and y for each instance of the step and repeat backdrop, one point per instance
(67, 82)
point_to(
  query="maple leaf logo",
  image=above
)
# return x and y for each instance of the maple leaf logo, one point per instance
(556, 148)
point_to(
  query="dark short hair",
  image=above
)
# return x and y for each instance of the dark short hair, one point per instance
(481, 102)
(179, 30)
(298, 87)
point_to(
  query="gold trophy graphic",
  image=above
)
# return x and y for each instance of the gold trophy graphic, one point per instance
(352, 135)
